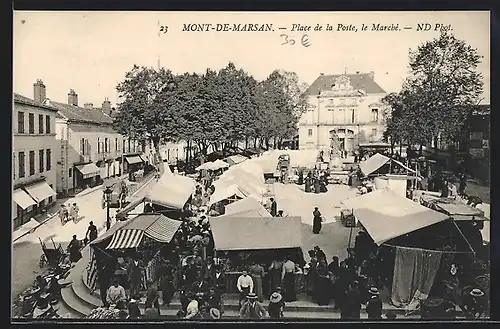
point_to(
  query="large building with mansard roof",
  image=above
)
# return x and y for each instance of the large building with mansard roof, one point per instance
(343, 106)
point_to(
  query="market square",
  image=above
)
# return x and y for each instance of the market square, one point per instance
(240, 193)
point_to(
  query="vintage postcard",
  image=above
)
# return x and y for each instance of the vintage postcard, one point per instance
(191, 166)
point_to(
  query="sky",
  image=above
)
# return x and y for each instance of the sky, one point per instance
(90, 52)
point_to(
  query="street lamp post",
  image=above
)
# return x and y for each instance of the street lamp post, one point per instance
(107, 199)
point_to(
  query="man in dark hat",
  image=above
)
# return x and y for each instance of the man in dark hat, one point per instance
(374, 305)
(351, 307)
(252, 308)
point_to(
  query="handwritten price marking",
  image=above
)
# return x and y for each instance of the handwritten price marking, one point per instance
(288, 40)
(163, 29)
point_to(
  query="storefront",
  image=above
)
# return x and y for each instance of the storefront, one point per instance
(133, 163)
(88, 175)
(30, 200)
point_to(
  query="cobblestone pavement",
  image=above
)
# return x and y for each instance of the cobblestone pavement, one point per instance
(26, 251)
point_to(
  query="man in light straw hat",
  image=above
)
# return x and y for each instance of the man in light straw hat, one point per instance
(374, 305)
(474, 304)
(276, 305)
(214, 313)
(252, 309)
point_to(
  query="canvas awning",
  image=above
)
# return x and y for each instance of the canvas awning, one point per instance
(220, 164)
(206, 166)
(134, 159)
(154, 226)
(246, 207)
(235, 159)
(88, 170)
(250, 167)
(373, 163)
(172, 191)
(40, 191)
(126, 239)
(459, 211)
(22, 199)
(223, 193)
(236, 233)
(386, 215)
(109, 233)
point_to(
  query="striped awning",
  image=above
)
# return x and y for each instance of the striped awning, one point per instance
(126, 239)
(163, 229)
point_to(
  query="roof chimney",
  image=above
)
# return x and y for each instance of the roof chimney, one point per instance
(106, 106)
(39, 91)
(357, 72)
(372, 75)
(72, 98)
(321, 73)
(88, 106)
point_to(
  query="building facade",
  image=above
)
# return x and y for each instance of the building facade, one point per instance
(344, 107)
(34, 158)
(88, 149)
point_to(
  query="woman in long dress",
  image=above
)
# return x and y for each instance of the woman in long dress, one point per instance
(257, 273)
(316, 221)
(275, 274)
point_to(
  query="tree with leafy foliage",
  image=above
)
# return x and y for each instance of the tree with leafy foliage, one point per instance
(215, 109)
(437, 96)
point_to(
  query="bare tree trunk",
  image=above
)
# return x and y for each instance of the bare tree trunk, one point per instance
(256, 142)
(246, 142)
(275, 139)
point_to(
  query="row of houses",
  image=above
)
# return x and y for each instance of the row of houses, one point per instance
(60, 149)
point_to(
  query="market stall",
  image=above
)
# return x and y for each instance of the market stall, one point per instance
(144, 236)
(419, 241)
(169, 196)
(240, 241)
(225, 195)
(379, 163)
(247, 207)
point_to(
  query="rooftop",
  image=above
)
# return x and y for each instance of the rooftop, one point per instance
(76, 113)
(28, 101)
(363, 81)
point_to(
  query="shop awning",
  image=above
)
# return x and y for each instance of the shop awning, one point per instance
(135, 159)
(373, 163)
(88, 170)
(125, 239)
(236, 233)
(22, 199)
(386, 215)
(221, 164)
(40, 191)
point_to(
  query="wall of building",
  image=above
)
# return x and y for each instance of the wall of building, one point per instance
(334, 112)
(26, 142)
(170, 152)
(70, 137)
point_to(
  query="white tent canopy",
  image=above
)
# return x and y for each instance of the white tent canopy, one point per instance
(246, 207)
(223, 193)
(376, 161)
(220, 164)
(386, 215)
(172, 191)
